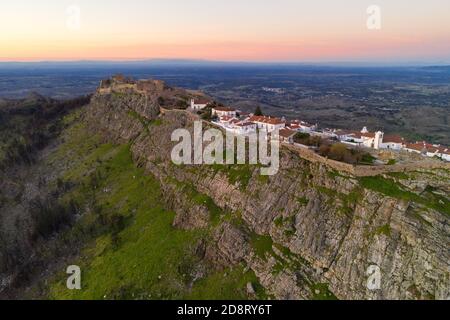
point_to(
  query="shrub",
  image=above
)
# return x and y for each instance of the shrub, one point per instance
(391, 162)
(206, 114)
(182, 104)
(49, 216)
(301, 137)
(340, 152)
(308, 140)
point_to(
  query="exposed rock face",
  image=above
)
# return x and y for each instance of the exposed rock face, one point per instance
(124, 114)
(326, 228)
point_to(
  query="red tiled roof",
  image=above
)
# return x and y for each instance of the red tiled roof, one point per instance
(245, 124)
(436, 148)
(286, 133)
(367, 135)
(415, 146)
(267, 120)
(225, 109)
(393, 139)
(201, 100)
(300, 123)
(226, 118)
(347, 133)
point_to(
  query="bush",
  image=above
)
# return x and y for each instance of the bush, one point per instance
(340, 152)
(391, 162)
(182, 104)
(301, 137)
(206, 114)
(308, 140)
(49, 216)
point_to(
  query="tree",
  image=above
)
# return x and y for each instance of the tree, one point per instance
(338, 151)
(206, 114)
(182, 104)
(258, 111)
(301, 138)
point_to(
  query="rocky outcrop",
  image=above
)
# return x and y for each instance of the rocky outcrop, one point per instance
(122, 115)
(322, 229)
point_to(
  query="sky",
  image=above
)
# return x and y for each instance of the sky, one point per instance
(226, 30)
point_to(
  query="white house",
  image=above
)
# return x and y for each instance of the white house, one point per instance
(225, 119)
(363, 138)
(243, 128)
(393, 142)
(436, 150)
(345, 135)
(415, 148)
(199, 103)
(301, 126)
(444, 153)
(268, 124)
(224, 111)
(287, 135)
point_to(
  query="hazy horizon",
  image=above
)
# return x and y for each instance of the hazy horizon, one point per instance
(205, 62)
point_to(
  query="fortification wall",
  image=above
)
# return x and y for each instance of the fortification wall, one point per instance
(364, 171)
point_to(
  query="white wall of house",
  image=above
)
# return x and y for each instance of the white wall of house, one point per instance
(288, 139)
(307, 129)
(198, 106)
(245, 129)
(378, 140)
(412, 150)
(392, 146)
(368, 142)
(224, 113)
(354, 144)
(445, 156)
(270, 127)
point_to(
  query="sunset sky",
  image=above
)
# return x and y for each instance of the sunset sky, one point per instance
(227, 30)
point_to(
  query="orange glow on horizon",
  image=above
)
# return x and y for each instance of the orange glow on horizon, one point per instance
(251, 30)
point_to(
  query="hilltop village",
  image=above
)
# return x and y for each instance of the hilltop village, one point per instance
(294, 132)
(243, 123)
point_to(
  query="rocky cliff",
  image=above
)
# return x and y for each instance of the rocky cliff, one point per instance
(307, 232)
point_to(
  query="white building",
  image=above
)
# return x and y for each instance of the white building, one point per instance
(199, 103)
(268, 124)
(287, 135)
(393, 142)
(301, 126)
(429, 150)
(226, 119)
(377, 142)
(444, 154)
(243, 128)
(224, 111)
(363, 138)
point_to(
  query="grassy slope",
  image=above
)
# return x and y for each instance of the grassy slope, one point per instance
(393, 189)
(133, 252)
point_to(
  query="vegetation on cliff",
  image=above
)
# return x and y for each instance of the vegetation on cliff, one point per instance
(141, 227)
